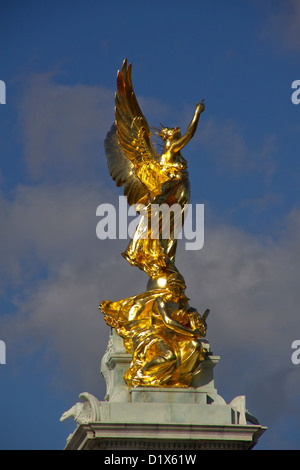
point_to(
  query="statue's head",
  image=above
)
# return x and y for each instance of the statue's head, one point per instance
(169, 133)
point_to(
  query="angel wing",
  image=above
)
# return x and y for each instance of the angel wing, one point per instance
(131, 158)
(122, 170)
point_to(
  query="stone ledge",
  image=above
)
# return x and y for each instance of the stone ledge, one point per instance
(110, 436)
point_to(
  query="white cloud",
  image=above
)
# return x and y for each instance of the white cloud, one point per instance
(282, 24)
(261, 204)
(228, 146)
(64, 127)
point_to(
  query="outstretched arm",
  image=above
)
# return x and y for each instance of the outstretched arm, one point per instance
(200, 107)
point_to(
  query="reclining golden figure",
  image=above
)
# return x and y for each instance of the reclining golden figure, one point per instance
(161, 331)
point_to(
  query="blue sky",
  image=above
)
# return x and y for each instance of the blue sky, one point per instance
(59, 61)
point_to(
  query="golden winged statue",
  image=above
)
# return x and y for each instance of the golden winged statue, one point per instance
(158, 327)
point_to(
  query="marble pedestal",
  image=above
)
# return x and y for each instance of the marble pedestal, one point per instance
(152, 418)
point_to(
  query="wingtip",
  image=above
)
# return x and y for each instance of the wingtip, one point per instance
(124, 67)
(120, 80)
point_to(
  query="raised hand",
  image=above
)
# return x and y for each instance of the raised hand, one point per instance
(200, 107)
